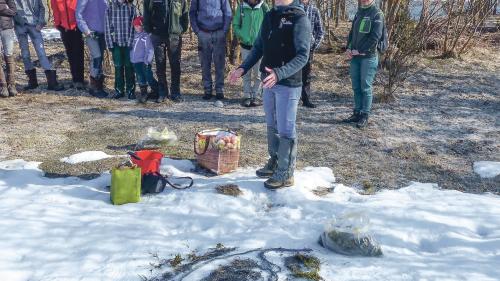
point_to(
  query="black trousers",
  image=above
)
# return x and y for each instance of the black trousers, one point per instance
(171, 48)
(73, 43)
(306, 79)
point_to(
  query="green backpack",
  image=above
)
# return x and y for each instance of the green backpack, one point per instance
(125, 185)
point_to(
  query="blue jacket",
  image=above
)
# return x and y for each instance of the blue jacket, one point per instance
(90, 15)
(210, 15)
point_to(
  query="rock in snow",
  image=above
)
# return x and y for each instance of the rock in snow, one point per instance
(66, 228)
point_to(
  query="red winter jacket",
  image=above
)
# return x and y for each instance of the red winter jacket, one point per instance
(64, 13)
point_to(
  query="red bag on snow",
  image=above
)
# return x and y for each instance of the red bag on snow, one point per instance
(148, 160)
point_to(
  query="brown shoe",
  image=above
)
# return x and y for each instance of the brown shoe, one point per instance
(276, 184)
(11, 75)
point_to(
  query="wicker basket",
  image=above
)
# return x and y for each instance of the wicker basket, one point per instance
(209, 156)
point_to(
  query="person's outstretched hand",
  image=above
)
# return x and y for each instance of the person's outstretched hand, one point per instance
(271, 79)
(235, 75)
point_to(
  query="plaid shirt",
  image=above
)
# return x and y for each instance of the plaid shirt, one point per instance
(118, 28)
(316, 26)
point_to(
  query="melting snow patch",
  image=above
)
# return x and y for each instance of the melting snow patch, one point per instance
(487, 169)
(87, 156)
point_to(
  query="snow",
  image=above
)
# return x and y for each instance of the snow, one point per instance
(51, 34)
(487, 169)
(66, 228)
(86, 156)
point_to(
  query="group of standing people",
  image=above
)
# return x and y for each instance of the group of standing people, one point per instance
(277, 47)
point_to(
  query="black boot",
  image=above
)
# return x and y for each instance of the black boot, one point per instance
(162, 91)
(52, 84)
(208, 95)
(305, 96)
(353, 118)
(32, 80)
(219, 95)
(97, 87)
(131, 95)
(363, 121)
(118, 94)
(142, 96)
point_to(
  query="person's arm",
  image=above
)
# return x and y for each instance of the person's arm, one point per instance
(193, 16)
(80, 21)
(149, 50)
(318, 33)
(56, 13)
(185, 16)
(236, 23)
(374, 36)
(107, 27)
(8, 9)
(40, 17)
(255, 54)
(146, 13)
(302, 43)
(227, 13)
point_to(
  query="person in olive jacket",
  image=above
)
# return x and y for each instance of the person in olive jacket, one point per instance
(7, 36)
(366, 33)
(166, 21)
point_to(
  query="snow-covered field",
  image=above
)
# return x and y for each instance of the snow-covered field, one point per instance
(66, 229)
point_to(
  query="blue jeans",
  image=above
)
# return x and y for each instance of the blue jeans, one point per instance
(25, 31)
(280, 106)
(362, 73)
(212, 47)
(8, 37)
(144, 75)
(96, 45)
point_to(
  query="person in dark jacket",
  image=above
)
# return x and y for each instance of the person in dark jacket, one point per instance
(210, 20)
(7, 35)
(365, 34)
(29, 21)
(166, 21)
(284, 45)
(317, 36)
(65, 22)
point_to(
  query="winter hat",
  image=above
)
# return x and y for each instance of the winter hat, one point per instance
(137, 21)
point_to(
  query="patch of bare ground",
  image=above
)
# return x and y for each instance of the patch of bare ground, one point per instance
(445, 118)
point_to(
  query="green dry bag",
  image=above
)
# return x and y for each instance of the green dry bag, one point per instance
(125, 185)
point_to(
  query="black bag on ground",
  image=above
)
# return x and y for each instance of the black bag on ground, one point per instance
(155, 183)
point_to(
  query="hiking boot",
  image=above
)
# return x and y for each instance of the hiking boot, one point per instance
(97, 87)
(32, 80)
(177, 98)
(247, 102)
(219, 96)
(363, 121)
(142, 96)
(118, 94)
(10, 66)
(287, 155)
(208, 95)
(353, 118)
(255, 102)
(52, 84)
(272, 150)
(277, 184)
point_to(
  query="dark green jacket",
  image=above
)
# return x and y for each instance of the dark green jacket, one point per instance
(366, 30)
(166, 17)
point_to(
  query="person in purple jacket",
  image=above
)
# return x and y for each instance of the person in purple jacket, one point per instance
(90, 16)
(210, 20)
(141, 57)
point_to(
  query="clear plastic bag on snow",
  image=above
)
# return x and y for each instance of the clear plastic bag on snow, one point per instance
(155, 135)
(348, 234)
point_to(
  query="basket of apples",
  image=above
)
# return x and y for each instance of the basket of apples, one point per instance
(217, 150)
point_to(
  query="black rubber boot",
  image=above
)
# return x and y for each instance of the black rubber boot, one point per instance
(273, 143)
(32, 80)
(207, 95)
(52, 84)
(363, 121)
(219, 96)
(287, 155)
(353, 118)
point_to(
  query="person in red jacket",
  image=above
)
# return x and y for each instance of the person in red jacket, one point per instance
(65, 22)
